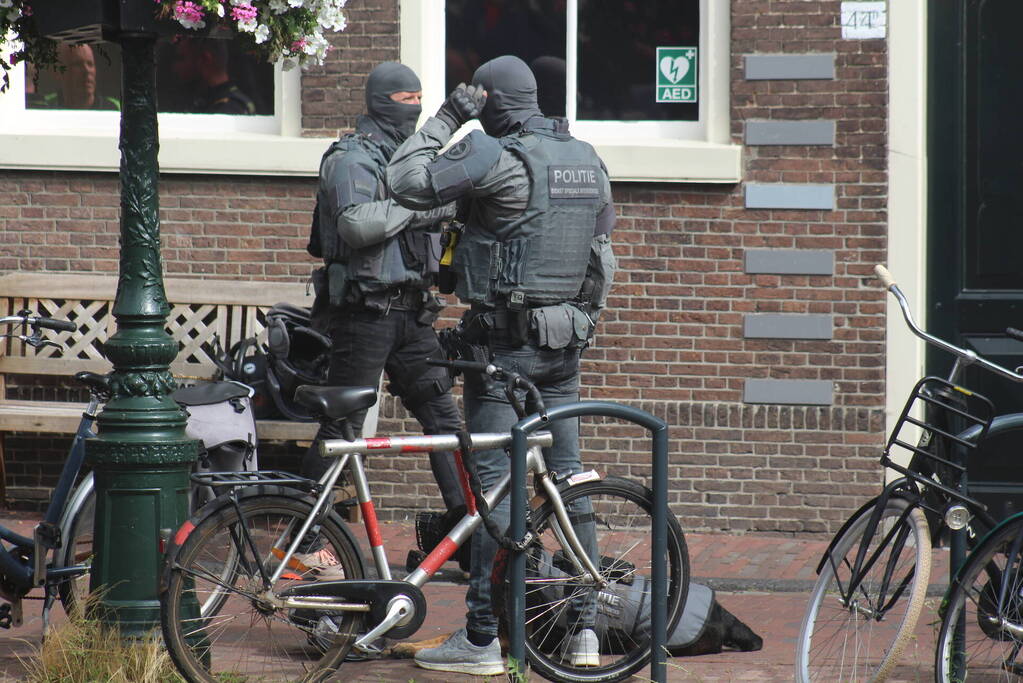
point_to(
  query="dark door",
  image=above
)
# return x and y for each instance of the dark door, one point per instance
(975, 150)
(975, 218)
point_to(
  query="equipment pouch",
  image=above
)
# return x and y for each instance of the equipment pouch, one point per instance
(430, 311)
(555, 326)
(518, 326)
(318, 315)
(337, 283)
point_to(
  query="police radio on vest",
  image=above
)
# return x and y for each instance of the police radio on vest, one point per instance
(575, 175)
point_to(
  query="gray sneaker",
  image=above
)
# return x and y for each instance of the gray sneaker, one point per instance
(582, 649)
(459, 655)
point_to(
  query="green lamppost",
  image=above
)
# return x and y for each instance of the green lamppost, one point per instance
(141, 457)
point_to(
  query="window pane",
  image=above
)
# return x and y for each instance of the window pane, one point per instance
(617, 52)
(193, 76)
(479, 30)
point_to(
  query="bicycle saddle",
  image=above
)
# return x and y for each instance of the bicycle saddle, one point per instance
(98, 384)
(335, 402)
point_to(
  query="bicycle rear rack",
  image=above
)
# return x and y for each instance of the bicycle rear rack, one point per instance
(217, 480)
(945, 403)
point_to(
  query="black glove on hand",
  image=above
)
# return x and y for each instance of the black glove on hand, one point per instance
(465, 102)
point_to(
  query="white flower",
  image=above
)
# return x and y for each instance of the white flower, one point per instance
(331, 18)
(296, 3)
(247, 25)
(6, 3)
(220, 10)
(13, 14)
(262, 33)
(278, 6)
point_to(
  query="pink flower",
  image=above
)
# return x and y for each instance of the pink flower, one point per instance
(298, 45)
(188, 14)
(243, 13)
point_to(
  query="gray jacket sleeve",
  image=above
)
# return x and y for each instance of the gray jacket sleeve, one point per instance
(361, 225)
(407, 173)
(497, 176)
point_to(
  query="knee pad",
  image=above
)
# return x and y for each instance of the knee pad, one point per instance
(422, 390)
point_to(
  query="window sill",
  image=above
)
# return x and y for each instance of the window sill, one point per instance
(239, 154)
(673, 161)
(653, 160)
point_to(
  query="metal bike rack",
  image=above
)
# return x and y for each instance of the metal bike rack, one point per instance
(517, 527)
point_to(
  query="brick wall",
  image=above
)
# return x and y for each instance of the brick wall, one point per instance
(672, 340)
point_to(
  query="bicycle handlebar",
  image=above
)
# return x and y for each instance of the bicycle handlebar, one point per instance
(37, 321)
(966, 355)
(511, 381)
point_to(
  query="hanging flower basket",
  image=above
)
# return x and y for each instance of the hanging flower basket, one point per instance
(292, 30)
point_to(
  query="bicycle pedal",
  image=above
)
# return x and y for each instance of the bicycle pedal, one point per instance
(414, 559)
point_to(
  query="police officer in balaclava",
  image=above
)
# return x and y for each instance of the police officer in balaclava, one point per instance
(372, 296)
(534, 263)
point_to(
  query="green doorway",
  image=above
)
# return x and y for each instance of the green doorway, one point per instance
(975, 187)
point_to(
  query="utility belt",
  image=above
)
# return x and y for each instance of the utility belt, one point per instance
(552, 327)
(401, 298)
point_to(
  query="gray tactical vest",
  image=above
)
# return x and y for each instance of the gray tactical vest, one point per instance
(406, 258)
(538, 258)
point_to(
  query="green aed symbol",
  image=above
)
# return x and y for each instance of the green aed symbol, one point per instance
(676, 74)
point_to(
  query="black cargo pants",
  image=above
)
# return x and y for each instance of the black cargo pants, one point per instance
(366, 341)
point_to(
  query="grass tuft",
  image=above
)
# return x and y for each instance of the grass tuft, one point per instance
(85, 650)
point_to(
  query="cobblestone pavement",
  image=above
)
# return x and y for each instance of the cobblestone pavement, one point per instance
(763, 579)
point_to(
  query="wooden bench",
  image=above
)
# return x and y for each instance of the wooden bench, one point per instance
(230, 309)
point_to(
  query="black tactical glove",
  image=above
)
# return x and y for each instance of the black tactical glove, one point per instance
(464, 103)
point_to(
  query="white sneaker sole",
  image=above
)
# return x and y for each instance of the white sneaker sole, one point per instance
(584, 660)
(476, 669)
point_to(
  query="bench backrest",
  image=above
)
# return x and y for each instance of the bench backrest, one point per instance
(230, 309)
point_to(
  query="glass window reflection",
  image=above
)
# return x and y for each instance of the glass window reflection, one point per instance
(194, 76)
(618, 44)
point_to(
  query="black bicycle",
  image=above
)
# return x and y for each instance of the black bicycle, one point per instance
(873, 577)
(50, 558)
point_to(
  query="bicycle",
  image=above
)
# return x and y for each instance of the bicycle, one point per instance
(48, 559)
(237, 603)
(981, 632)
(69, 518)
(873, 577)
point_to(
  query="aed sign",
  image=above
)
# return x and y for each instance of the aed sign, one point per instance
(676, 74)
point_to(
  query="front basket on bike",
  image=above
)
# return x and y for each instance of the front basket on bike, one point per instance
(955, 423)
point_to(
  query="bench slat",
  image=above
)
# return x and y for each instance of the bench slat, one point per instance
(178, 290)
(63, 418)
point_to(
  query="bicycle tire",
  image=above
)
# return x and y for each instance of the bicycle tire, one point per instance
(846, 643)
(76, 549)
(989, 651)
(623, 513)
(245, 636)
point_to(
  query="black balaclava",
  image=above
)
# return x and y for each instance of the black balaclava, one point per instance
(550, 84)
(511, 94)
(395, 118)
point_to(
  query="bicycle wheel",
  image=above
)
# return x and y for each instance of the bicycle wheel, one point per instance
(860, 637)
(76, 549)
(240, 633)
(981, 633)
(561, 600)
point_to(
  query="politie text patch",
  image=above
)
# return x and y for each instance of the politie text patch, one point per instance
(568, 182)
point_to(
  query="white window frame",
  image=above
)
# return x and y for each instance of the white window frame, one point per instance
(633, 151)
(75, 140)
